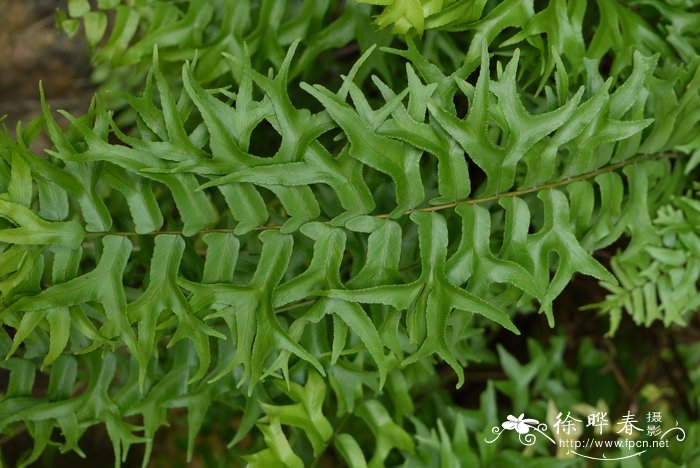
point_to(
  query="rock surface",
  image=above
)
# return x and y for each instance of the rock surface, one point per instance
(32, 49)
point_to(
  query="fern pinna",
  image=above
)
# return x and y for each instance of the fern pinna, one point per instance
(173, 267)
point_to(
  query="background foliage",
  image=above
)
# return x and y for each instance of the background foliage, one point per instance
(301, 237)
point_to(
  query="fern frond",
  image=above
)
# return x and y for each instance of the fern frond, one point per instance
(659, 282)
(124, 32)
(387, 140)
(381, 231)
